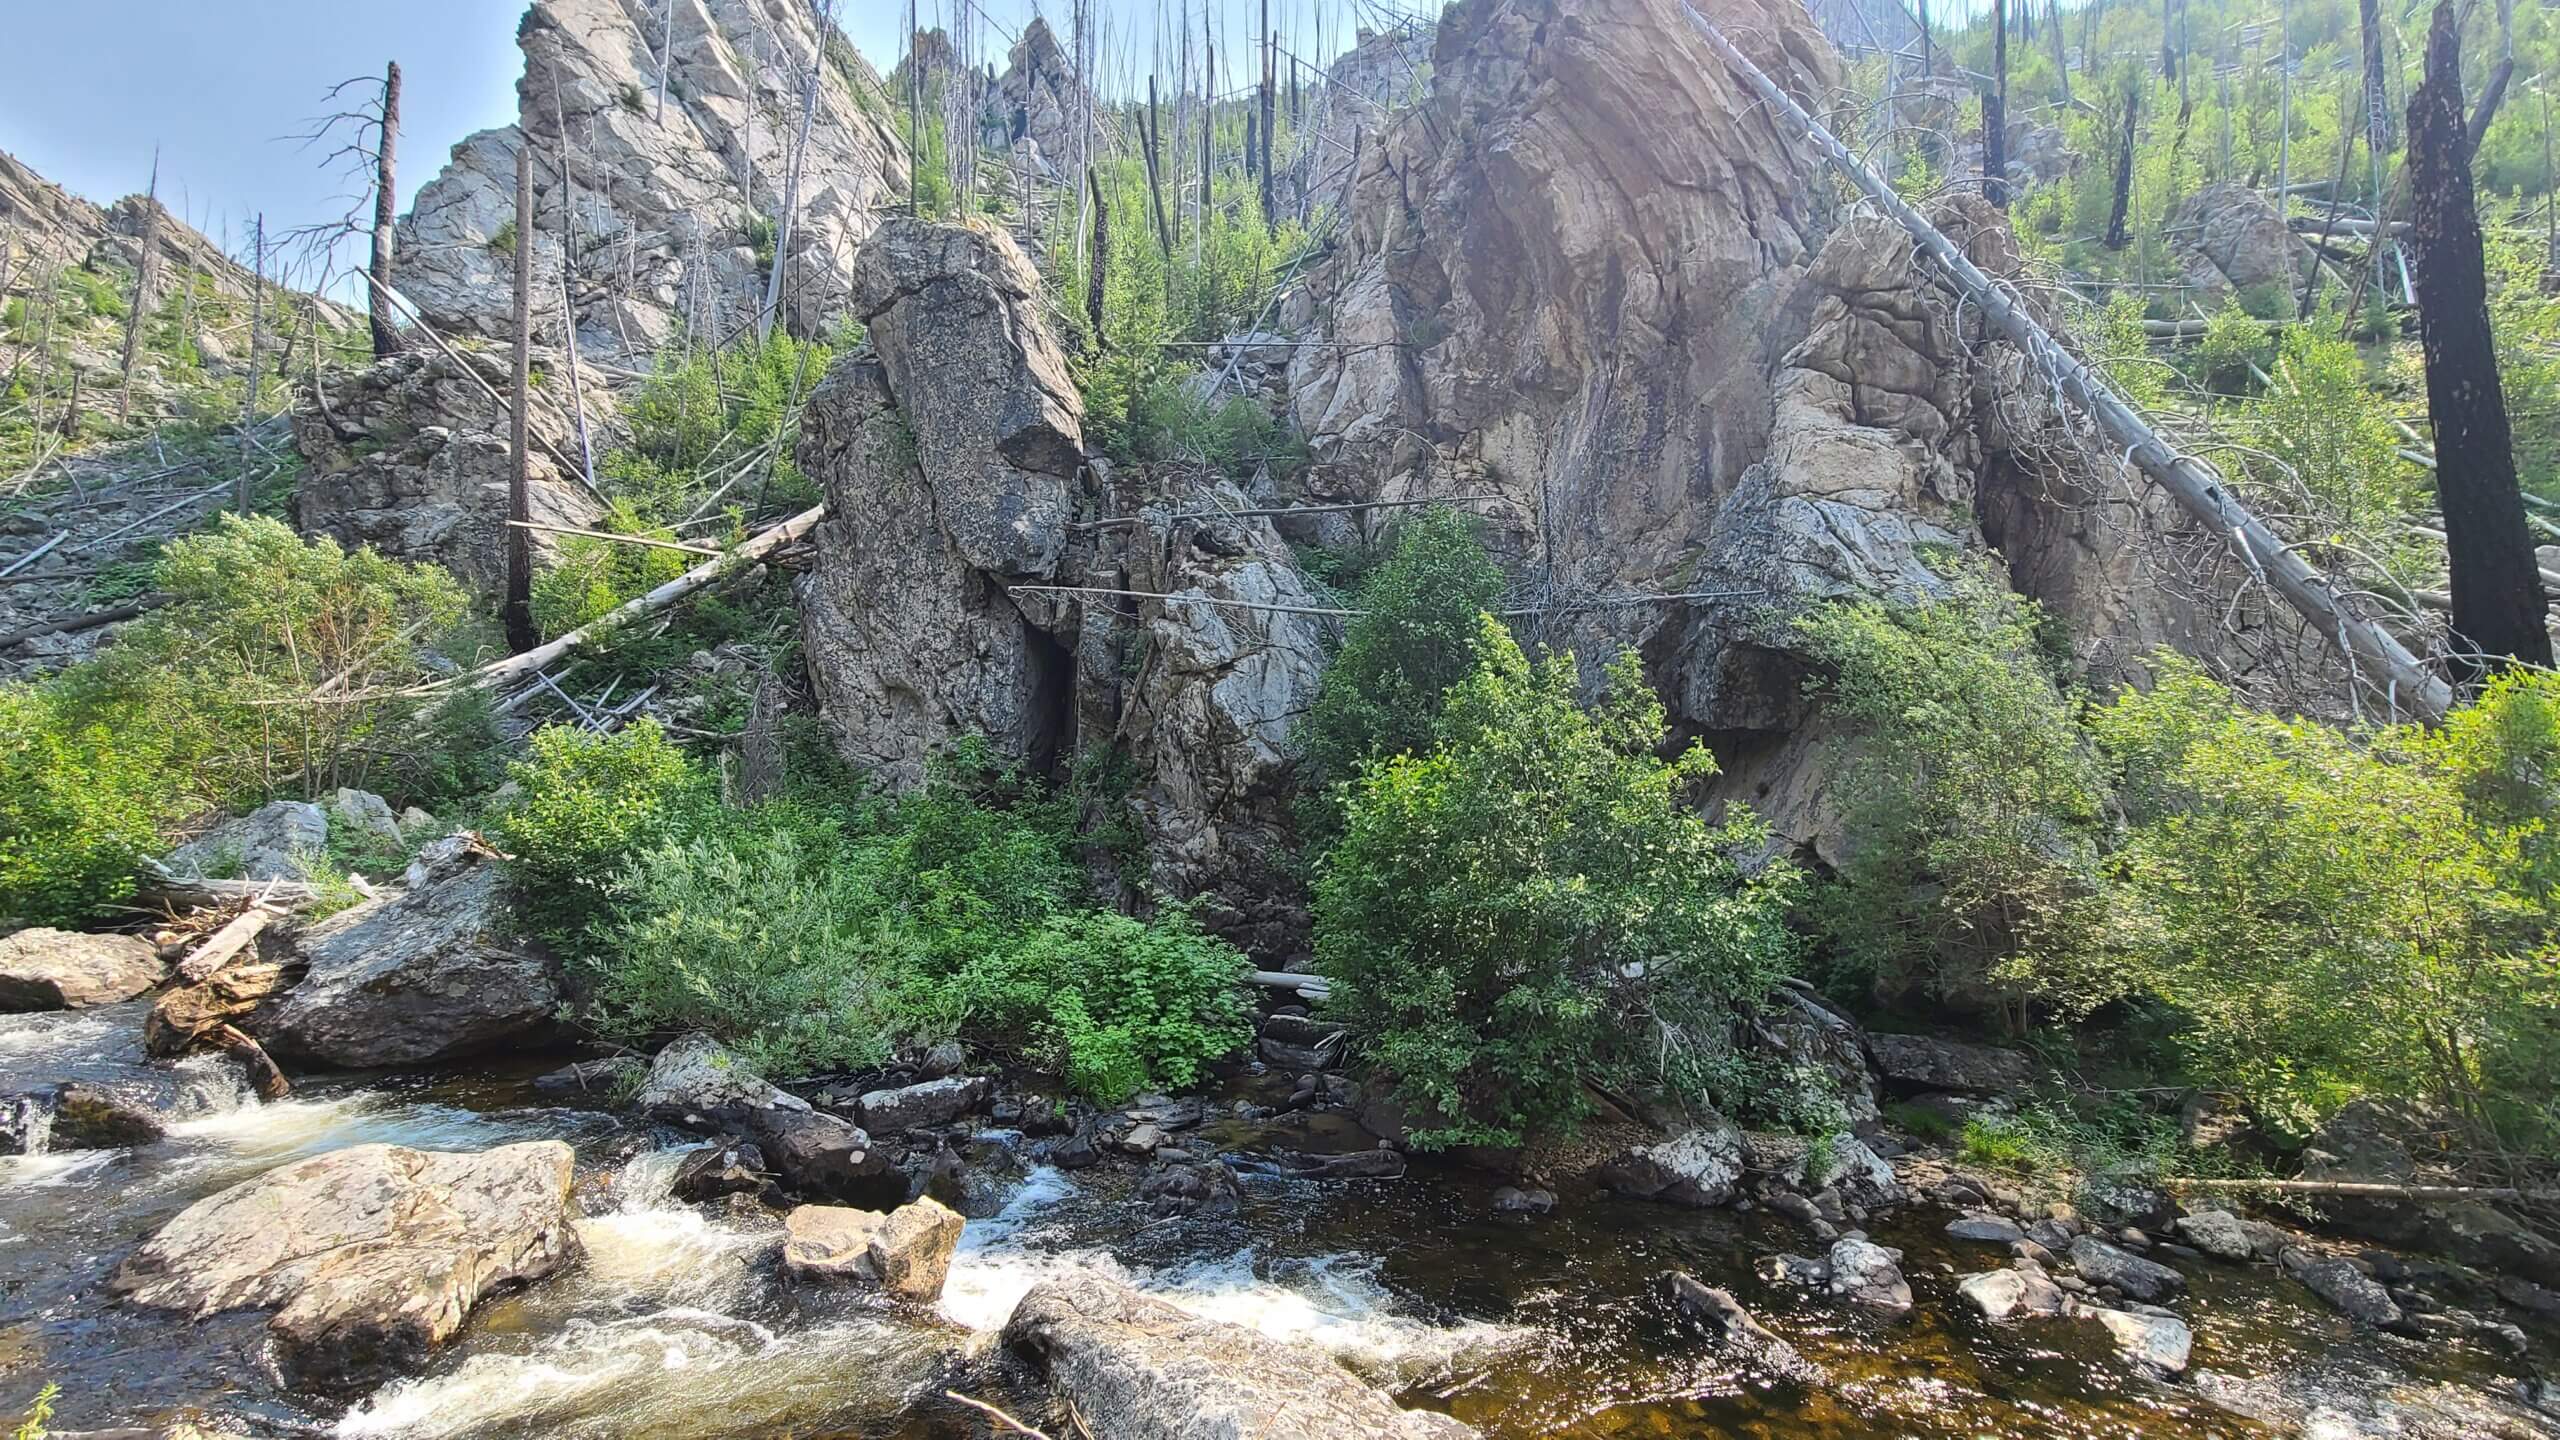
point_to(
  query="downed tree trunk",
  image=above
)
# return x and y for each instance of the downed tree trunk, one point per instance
(2364, 1187)
(224, 943)
(2196, 486)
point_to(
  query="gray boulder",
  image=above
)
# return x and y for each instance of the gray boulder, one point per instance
(438, 971)
(63, 970)
(911, 1107)
(2100, 1263)
(1986, 1229)
(905, 1253)
(367, 1257)
(1136, 1368)
(2354, 1294)
(1924, 1062)
(697, 1083)
(268, 843)
(1869, 1275)
(2020, 1292)
(2226, 1236)
(2157, 1342)
(1701, 1167)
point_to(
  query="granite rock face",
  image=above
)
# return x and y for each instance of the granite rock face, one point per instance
(63, 970)
(2230, 238)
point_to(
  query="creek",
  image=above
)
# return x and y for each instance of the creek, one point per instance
(676, 1323)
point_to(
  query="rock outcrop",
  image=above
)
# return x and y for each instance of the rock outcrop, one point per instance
(412, 456)
(1345, 115)
(268, 843)
(439, 971)
(668, 229)
(952, 452)
(368, 1257)
(63, 970)
(1041, 101)
(1136, 1368)
(2229, 238)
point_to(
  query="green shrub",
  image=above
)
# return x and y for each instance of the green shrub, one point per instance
(1921, 1122)
(1972, 805)
(1534, 905)
(1114, 1004)
(2234, 341)
(80, 805)
(591, 802)
(589, 579)
(1415, 636)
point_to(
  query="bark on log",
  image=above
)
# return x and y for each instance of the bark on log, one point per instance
(222, 944)
(2196, 486)
(2498, 603)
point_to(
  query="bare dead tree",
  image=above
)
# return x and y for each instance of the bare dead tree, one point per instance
(1097, 277)
(1270, 53)
(518, 609)
(666, 61)
(2498, 601)
(791, 183)
(2125, 125)
(2495, 89)
(141, 306)
(249, 374)
(2061, 61)
(1995, 112)
(1155, 176)
(2377, 103)
(386, 193)
(364, 153)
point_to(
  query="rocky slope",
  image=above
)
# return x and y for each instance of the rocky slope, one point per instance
(667, 233)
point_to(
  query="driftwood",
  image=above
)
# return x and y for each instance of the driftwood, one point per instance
(1314, 987)
(185, 892)
(2197, 487)
(263, 1074)
(222, 944)
(2366, 1187)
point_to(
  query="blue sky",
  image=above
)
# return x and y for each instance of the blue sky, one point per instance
(93, 85)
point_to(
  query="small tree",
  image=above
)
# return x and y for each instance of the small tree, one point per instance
(1535, 904)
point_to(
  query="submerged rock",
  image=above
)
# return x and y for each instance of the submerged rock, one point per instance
(1737, 1330)
(2100, 1263)
(44, 969)
(1136, 1368)
(2157, 1342)
(440, 971)
(368, 1257)
(905, 1253)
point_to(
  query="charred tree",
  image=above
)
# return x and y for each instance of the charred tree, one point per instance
(386, 333)
(141, 306)
(517, 612)
(2116, 238)
(2498, 602)
(1995, 112)
(2377, 103)
(1097, 279)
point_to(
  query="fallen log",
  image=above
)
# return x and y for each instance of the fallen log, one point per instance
(2366, 1187)
(187, 892)
(2198, 488)
(224, 943)
(263, 1074)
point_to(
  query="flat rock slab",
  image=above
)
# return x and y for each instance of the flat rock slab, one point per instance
(1927, 1063)
(368, 1257)
(64, 970)
(1137, 1368)
(2100, 1263)
(2156, 1342)
(912, 1107)
(905, 1253)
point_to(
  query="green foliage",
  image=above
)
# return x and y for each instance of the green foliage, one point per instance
(503, 239)
(590, 802)
(2335, 917)
(1416, 636)
(703, 414)
(2524, 315)
(32, 1426)
(81, 803)
(2321, 441)
(589, 579)
(1972, 804)
(2234, 341)
(1114, 1004)
(1920, 1121)
(1534, 904)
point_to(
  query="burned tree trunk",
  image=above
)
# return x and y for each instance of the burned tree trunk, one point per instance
(518, 610)
(1097, 278)
(386, 333)
(2498, 602)
(141, 306)
(1155, 172)
(1995, 112)
(2124, 166)
(2377, 104)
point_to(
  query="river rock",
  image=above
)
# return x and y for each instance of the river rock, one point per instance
(1869, 1275)
(1986, 1229)
(2354, 1294)
(93, 1117)
(1137, 1368)
(916, 1107)
(695, 1078)
(1924, 1062)
(368, 1257)
(44, 969)
(697, 1083)
(1190, 1187)
(905, 1253)
(2020, 1292)
(1376, 1163)
(1702, 1167)
(439, 971)
(715, 1172)
(2156, 1342)
(2100, 1263)
(2226, 1236)
(1737, 1331)
(268, 843)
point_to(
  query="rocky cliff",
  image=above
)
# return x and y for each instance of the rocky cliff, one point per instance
(673, 217)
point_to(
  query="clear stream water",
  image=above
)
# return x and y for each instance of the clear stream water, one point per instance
(676, 1325)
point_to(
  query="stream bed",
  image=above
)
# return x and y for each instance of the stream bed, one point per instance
(676, 1323)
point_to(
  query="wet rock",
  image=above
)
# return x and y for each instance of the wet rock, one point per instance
(2054, 1235)
(2226, 1236)
(1377, 1164)
(1869, 1275)
(268, 843)
(1799, 1270)
(2353, 1293)
(1702, 1167)
(439, 971)
(1136, 1368)
(1203, 1188)
(368, 1257)
(1044, 1116)
(2018, 1293)
(1300, 1030)
(595, 1081)
(2156, 1342)
(1737, 1331)
(44, 969)
(2100, 1263)
(1285, 1056)
(1985, 1229)
(916, 1107)
(1513, 1200)
(697, 1083)
(93, 1117)
(905, 1253)
(716, 1171)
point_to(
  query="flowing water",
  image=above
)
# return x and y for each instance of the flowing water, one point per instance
(676, 1325)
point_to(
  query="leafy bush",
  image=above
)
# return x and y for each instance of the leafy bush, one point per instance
(2234, 341)
(1416, 635)
(1114, 1004)
(80, 805)
(2335, 918)
(590, 802)
(1534, 904)
(2325, 448)
(589, 579)
(1972, 802)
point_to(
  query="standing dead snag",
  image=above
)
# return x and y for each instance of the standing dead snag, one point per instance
(1097, 279)
(518, 610)
(2377, 99)
(141, 305)
(386, 334)
(2498, 601)
(1995, 112)
(249, 375)
(2116, 237)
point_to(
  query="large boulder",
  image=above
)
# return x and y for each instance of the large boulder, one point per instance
(2021, 1292)
(2352, 1293)
(1136, 1368)
(1869, 1275)
(2100, 1263)
(1702, 1166)
(1044, 103)
(672, 203)
(44, 969)
(905, 1253)
(1924, 1062)
(923, 1105)
(2228, 237)
(697, 1083)
(411, 455)
(268, 843)
(367, 1257)
(438, 971)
